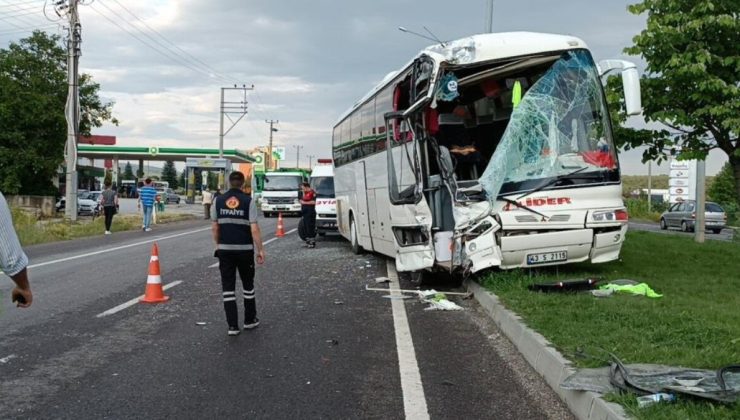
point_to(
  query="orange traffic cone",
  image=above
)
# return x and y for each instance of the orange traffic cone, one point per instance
(154, 292)
(280, 228)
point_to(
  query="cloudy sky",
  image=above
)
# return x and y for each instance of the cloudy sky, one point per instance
(163, 62)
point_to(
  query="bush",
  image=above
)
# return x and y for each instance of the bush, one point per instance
(638, 209)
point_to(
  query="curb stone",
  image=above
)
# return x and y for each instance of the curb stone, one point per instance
(544, 359)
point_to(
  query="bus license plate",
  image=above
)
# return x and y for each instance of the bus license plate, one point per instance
(547, 257)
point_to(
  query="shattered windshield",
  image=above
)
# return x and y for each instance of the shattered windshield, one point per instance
(560, 126)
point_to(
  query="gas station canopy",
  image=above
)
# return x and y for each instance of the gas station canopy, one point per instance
(158, 153)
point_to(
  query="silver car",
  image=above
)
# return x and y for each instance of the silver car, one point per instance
(683, 216)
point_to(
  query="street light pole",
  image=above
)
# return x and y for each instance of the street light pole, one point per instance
(310, 161)
(269, 149)
(297, 155)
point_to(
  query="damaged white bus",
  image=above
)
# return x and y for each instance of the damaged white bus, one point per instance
(490, 151)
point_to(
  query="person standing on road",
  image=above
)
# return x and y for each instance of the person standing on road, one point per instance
(110, 204)
(147, 193)
(308, 212)
(237, 236)
(13, 261)
(207, 201)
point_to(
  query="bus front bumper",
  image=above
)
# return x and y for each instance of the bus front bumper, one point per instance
(562, 247)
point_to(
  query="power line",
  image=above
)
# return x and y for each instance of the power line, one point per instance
(171, 56)
(207, 71)
(205, 65)
(29, 29)
(21, 3)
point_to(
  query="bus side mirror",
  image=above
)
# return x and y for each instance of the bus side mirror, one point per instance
(630, 83)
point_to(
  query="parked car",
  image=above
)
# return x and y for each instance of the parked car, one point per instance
(683, 215)
(168, 195)
(87, 203)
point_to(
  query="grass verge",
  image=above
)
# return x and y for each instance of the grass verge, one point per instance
(696, 323)
(31, 231)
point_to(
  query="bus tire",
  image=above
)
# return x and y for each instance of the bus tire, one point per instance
(354, 241)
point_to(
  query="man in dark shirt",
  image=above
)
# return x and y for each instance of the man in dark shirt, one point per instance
(308, 212)
(237, 238)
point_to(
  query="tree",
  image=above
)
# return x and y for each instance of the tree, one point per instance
(128, 172)
(182, 180)
(169, 174)
(692, 80)
(722, 191)
(33, 129)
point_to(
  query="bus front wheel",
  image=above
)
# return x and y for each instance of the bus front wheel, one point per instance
(355, 243)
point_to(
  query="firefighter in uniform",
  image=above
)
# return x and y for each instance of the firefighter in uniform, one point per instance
(238, 240)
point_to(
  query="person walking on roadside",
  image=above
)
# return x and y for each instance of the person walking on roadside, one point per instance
(110, 204)
(207, 201)
(308, 213)
(238, 239)
(13, 261)
(147, 193)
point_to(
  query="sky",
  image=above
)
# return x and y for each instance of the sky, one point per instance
(163, 62)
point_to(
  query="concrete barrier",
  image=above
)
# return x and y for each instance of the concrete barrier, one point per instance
(44, 205)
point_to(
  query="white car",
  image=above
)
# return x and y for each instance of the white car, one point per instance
(86, 204)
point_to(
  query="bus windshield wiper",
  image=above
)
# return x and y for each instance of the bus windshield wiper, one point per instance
(552, 181)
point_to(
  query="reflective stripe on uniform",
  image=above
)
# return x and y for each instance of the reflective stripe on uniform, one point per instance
(233, 221)
(231, 247)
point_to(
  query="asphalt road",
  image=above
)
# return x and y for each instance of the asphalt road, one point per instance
(326, 347)
(725, 235)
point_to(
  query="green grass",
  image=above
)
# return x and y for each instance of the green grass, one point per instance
(695, 324)
(31, 231)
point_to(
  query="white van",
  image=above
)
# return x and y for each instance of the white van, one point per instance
(322, 181)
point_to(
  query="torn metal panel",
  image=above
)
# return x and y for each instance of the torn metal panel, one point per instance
(560, 125)
(414, 258)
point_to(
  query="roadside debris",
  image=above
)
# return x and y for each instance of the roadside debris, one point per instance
(382, 280)
(438, 301)
(722, 385)
(647, 400)
(565, 286)
(640, 289)
(416, 292)
(594, 287)
(201, 323)
(6, 359)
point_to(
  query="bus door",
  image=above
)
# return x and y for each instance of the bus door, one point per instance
(410, 215)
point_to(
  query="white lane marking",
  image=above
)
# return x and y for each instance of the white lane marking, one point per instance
(103, 251)
(263, 244)
(414, 401)
(133, 301)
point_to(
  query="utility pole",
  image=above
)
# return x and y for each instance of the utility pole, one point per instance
(699, 225)
(489, 17)
(229, 108)
(269, 149)
(297, 155)
(310, 161)
(650, 185)
(72, 109)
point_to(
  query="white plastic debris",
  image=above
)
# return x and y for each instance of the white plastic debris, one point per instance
(438, 301)
(382, 280)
